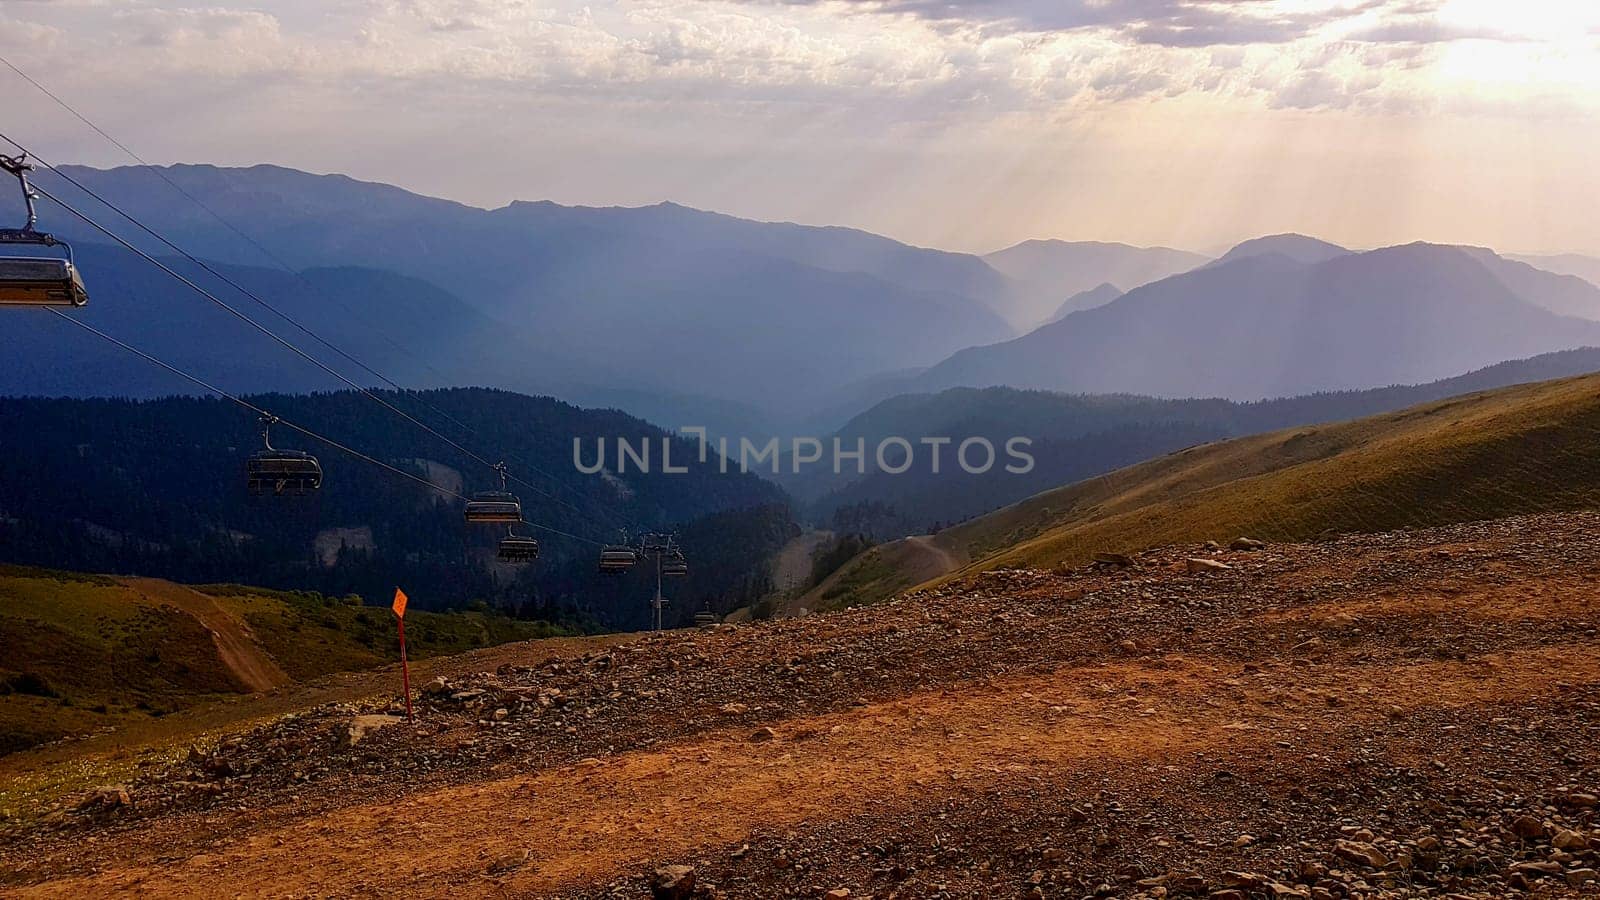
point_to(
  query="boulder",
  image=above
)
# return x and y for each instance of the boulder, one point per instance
(1244, 543)
(1360, 852)
(672, 883)
(362, 727)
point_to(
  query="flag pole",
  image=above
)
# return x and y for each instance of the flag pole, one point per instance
(399, 607)
(405, 668)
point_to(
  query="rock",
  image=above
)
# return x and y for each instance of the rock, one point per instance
(110, 797)
(1528, 828)
(1577, 877)
(672, 883)
(1567, 839)
(436, 688)
(762, 735)
(509, 862)
(1281, 891)
(1245, 880)
(1053, 855)
(1206, 565)
(1537, 869)
(1359, 852)
(1114, 559)
(1228, 894)
(1244, 543)
(363, 726)
(735, 709)
(837, 894)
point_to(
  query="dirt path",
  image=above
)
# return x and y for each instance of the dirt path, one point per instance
(250, 665)
(932, 560)
(793, 566)
(591, 822)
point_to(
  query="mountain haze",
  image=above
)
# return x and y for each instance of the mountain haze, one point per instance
(657, 299)
(1267, 326)
(1053, 271)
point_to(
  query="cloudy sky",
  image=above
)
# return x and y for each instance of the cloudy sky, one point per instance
(965, 124)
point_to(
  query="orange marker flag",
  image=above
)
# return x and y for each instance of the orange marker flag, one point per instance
(399, 607)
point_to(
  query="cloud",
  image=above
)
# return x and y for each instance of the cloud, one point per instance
(1169, 23)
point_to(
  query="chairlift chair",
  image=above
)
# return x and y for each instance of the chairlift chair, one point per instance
(36, 280)
(616, 559)
(705, 618)
(281, 472)
(494, 507)
(515, 548)
(673, 565)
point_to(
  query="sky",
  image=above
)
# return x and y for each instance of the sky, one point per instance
(959, 124)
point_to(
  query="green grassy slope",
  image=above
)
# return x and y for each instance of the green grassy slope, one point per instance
(1522, 449)
(79, 653)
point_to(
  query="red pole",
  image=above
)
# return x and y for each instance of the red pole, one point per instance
(405, 668)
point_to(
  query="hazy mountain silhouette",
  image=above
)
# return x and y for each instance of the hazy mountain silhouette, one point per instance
(662, 299)
(1566, 295)
(1090, 299)
(1297, 247)
(1267, 326)
(1051, 271)
(1585, 267)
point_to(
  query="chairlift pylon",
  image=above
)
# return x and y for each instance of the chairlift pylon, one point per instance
(36, 280)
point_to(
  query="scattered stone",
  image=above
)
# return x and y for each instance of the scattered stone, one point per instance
(762, 735)
(1201, 566)
(1244, 543)
(1121, 560)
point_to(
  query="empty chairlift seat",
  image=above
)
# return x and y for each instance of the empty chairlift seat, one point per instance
(673, 565)
(615, 560)
(35, 280)
(282, 472)
(493, 508)
(40, 281)
(518, 549)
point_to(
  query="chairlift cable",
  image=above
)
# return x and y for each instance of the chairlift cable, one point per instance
(260, 248)
(293, 426)
(367, 392)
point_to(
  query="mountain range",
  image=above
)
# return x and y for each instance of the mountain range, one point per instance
(689, 317)
(1268, 324)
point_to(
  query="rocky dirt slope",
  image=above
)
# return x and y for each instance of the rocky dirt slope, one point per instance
(1404, 714)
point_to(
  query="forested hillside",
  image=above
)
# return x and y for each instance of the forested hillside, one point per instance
(1077, 437)
(156, 488)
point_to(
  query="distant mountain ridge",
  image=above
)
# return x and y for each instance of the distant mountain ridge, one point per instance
(1298, 247)
(655, 299)
(1053, 271)
(1264, 325)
